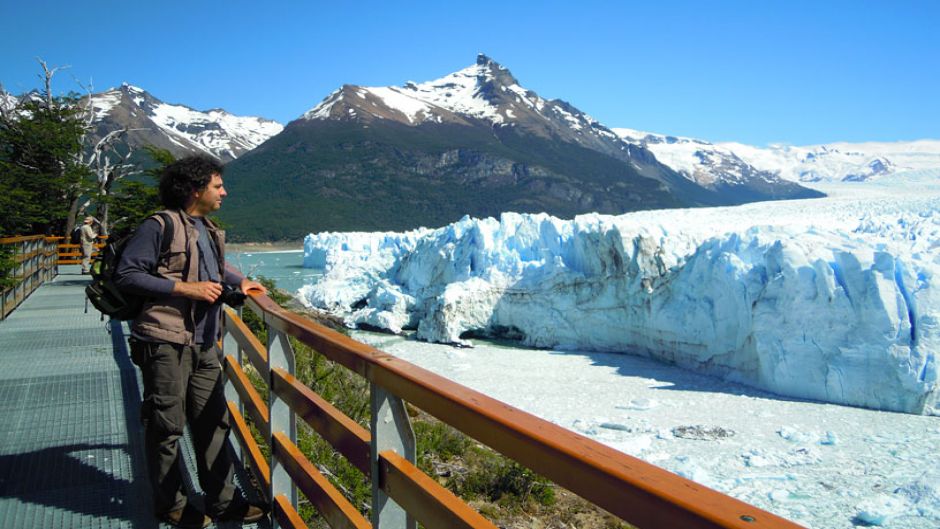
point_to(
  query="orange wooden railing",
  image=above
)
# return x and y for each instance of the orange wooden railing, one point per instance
(34, 262)
(72, 253)
(638, 492)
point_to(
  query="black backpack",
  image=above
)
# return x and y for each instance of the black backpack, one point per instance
(103, 293)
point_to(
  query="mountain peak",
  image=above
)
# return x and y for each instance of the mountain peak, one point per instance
(490, 70)
(129, 88)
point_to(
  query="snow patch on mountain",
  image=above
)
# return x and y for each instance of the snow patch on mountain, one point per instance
(831, 299)
(461, 92)
(413, 108)
(702, 162)
(216, 131)
(8, 101)
(102, 104)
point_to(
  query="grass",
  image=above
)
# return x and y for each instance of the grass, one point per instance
(507, 493)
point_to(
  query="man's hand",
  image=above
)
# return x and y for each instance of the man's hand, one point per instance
(253, 285)
(198, 290)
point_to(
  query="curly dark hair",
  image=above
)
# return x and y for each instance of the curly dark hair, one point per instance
(179, 179)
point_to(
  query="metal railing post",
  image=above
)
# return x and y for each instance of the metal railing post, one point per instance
(18, 273)
(230, 346)
(280, 355)
(34, 265)
(391, 430)
(28, 269)
(46, 270)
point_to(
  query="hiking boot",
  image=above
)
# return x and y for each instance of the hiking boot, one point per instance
(239, 510)
(188, 517)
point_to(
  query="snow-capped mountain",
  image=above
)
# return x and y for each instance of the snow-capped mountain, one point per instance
(706, 163)
(484, 91)
(842, 161)
(488, 92)
(179, 128)
(472, 142)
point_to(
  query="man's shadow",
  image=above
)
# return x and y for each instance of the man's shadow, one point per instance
(88, 477)
(59, 477)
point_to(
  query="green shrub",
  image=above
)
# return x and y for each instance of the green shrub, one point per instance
(495, 478)
(438, 441)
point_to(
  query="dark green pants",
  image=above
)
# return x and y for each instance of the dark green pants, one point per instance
(184, 384)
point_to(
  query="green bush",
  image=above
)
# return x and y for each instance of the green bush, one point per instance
(498, 479)
(438, 441)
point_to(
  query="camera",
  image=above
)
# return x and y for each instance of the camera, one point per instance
(231, 296)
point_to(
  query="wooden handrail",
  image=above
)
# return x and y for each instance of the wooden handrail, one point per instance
(630, 488)
(32, 262)
(432, 504)
(26, 256)
(255, 458)
(23, 238)
(285, 514)
(257, 409)
(331, 503)
(336, 428)
(257, 353)
(20, 238)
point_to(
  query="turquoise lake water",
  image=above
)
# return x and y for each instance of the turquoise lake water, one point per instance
(285, 268)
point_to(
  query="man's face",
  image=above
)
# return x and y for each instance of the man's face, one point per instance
(209, 199)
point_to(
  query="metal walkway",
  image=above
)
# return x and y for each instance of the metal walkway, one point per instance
(71, 445)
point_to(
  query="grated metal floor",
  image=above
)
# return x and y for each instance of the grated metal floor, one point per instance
(71, 450)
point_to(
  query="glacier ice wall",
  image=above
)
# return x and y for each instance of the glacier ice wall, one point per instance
(838, 307)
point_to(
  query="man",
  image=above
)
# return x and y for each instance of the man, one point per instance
(88, 237)
(173, 341)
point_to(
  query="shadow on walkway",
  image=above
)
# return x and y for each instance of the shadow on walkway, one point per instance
(59, 477)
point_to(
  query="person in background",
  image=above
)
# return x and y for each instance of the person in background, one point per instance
(88, 238)
(174, 342)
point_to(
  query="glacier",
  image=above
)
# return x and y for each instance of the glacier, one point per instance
(827, 299)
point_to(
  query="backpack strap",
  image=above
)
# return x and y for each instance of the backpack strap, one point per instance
(166, 233)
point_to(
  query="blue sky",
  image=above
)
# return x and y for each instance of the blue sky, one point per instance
(751, 71)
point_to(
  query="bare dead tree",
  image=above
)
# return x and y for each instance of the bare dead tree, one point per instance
(104, 159)
(109, 171)
(5, 112)
(47, 75)
(73, 193)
